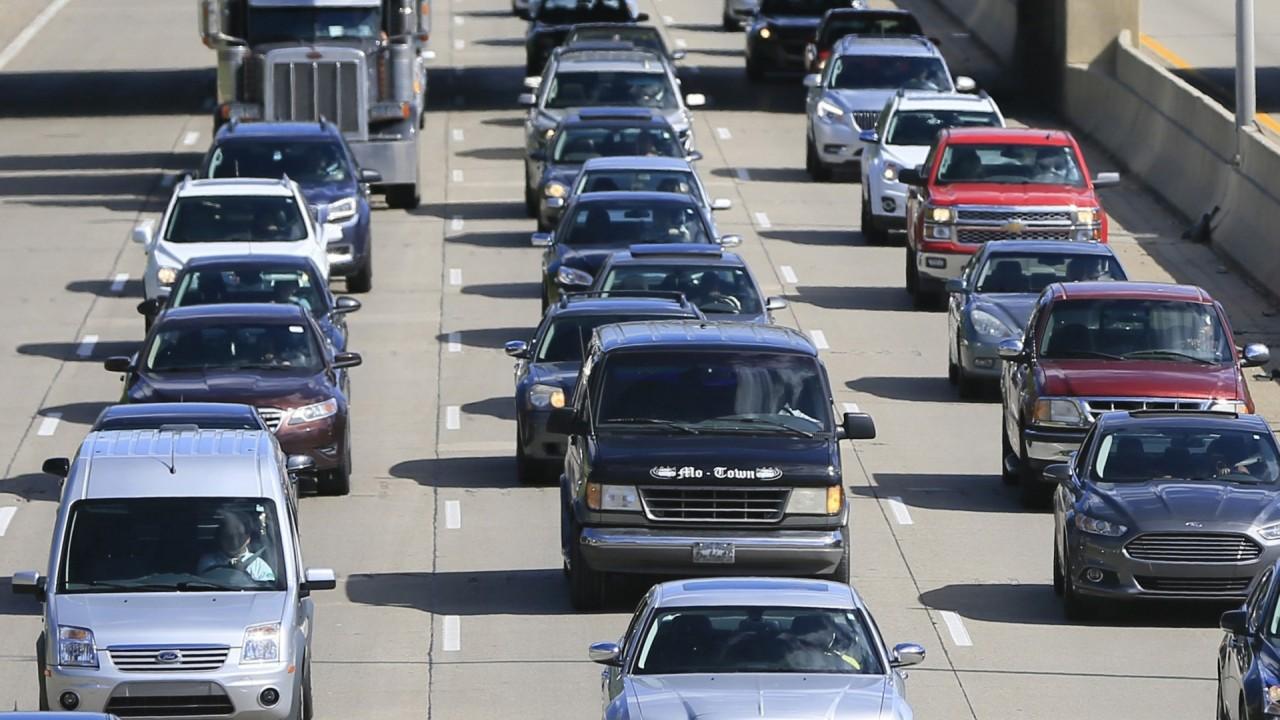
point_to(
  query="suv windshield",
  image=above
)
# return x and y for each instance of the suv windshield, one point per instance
(624, 89)
(672, 181)
(1032, 272)
(290, 25)
(920, 127)
(214, 287)
(238, 346)
(631, 222)
(177, 544)
(871, 72)
(814, 8)
(726, 290)
(566, 339)
(720, 640)
(564, 12)
(1127, 329)
(235, 218)
(638, 35)
(309, 162)
(1011, 163)
(714, 391)
(579, 144)
(1143, 454)
(869, 22)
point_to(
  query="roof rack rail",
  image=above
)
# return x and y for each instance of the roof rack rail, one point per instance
(673, 295)
(683, 249)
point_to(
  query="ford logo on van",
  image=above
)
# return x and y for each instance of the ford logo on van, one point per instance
(167, 657)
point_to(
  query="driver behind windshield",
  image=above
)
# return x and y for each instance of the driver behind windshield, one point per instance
(235, 530)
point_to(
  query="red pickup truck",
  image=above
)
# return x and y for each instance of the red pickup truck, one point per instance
(980, 184)
(1097, 347)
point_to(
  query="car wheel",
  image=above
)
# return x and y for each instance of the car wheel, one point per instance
(729, 23)
(970, 386)
(813, 164)
(754, 72)
(871, 233)
(1074, 606)
(530, 201)
(586, 586)
(362, 281)
(527, 471)
(1032, 491)
(1058, 576)
(1221, 713)
(1008, 474)
(308, 704)
(338, 480)
(953, 368)
(41, 683)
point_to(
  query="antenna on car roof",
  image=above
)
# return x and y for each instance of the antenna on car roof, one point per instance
(173, 431)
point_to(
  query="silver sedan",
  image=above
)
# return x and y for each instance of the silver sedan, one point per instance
(753, 647)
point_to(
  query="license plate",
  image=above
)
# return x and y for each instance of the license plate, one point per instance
(713, 553)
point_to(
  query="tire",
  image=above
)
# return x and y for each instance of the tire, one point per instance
(871, 232)
(841, 573)
(528, 472)
(1006, 476)
(1031, 490)
(403, 197)
(1073, 606)
(338, 481)
(586, 586)
(1221, 713)
(362, 280)
(1059, 579)
(953, 368)
(754, 72)
(41, 682)
(729, 24)
(970, 387)
(308, 703)
(813, 164)
(530, 201)
(912, 278)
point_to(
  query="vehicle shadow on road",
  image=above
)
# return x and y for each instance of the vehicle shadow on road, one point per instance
(100, 161)
(491, 338)
(485, 210)
(493, 153)
(893, 299)
(69, 350)
(1036, 604)
(507, 239)
(913, 389)
(11, 604)
(941, 491)
(766, 174)
(36, 486)
(78, 413)
(496, 472)
(102, 288)
(503, 408)
(474, 88)
(105, 93)
(816, 237)
(487, 592)
(505, 291)
(727, 88)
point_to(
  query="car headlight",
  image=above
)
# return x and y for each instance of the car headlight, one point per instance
(569, 276)
(1270, 532)
(311, 413)
(941, 214)
(828, 110)
(623, 498)
(261, 644)
(550, 133)
(76, 647)
(816, 501)
(989, 325)
(1096, 526)
(166, 275)
(765, 33)
(1271, 699)
(1059, 411)
(1087, 216)
(1235, 406)
(342, 209)
(890, 172)
(556, 190)
(546, 396)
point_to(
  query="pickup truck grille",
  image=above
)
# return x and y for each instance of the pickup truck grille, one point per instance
(1004, 215)
(968, 235)
(865, 119)
(1198, 587)
(727, 505)
(984, 223)
(1098, 406)
(271, 416)
(1205, 548)
(303, 89)
(168, 659)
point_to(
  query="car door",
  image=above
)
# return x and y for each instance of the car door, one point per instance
(611, 680)
(1239, 664)
(1015, 376)
(957, 303)
(917, 197)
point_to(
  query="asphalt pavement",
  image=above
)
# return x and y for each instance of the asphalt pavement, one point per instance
(450, 601)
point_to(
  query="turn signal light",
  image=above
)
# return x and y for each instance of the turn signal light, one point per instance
(593, 495)
(835, 499)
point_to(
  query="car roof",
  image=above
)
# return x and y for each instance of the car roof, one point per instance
(1129, 290)
(756, 591)
(676, 254)
(704, 335)
(575, 58)
(199, 463)
(932, 100)
(906, 45)
(235, 186)
(301, 262)
(1037, 136)
(236, 311)
(1001, 247)
(248, 130)
(645, 196)
(594, 304)
(610, 116)
(637, 162)
(1184, 419)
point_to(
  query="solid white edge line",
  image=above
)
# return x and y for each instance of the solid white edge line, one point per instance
(788, 274)
(452, 514)
(117, 282)
(453, 417)
(49, 425)
(723, 133)
(455, 342)
(819, 339)
(29, 32)
(6, 517)
(955, 626)
(899, 510)
(85, 348)
(458, 20)
(191, 137)
(452, 633)
(455, 276)
(762, 220)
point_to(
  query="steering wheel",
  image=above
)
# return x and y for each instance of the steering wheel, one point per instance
(723, 303)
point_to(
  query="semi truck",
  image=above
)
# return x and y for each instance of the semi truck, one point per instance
(360, 64)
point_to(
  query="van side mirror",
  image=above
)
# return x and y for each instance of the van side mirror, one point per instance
(857, 426)
(1255, 354)
(119, 363)
(345, 304)
(57, 466)
(1235, 622)
(28, 582)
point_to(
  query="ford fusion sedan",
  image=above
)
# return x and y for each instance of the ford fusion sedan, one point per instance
(1179, 505)
(779, 30)
(754, 647)
(597, 224)
(547, 366)
(993, 298)
(273, 357)
(639, 174)
(1249, 654)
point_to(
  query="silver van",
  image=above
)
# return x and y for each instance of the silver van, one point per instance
(175, 584)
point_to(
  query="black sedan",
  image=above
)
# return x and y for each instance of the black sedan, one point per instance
(551, 21)
(272, 357)
(1248, 658)
(781, 30)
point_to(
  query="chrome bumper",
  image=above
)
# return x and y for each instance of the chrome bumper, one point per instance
(664, 551)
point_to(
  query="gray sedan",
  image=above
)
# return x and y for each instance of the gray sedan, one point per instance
(996, 292)
(753, 647)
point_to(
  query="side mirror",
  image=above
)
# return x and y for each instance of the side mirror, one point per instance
(370, 176)
(565, 421)
(965, 84)
(150, 306)
(871, 137)
(57, 467)
(299, 464)
(518, 349)
(679, 54)
(527, 99)
(956, 286)
(347, 360)
(906, 654)
(319, 579)
(911, 176)
(344, 304)
(695, 100)
(554, 203)
(721, 204)
(28, 582)
(331, 234)
(1011, 350)
(642, 17)
(774, 302)
(1255, 354)
(730, 240)
(857, 426)
(1059, 474)
(813, 80)
(533, 82)
(142, 234)
(693, 156)
(541, 239)
(119, 363)
(605, 653)
(1235, 622)
(1106, 180)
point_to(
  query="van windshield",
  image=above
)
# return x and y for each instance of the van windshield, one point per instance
(180, 544)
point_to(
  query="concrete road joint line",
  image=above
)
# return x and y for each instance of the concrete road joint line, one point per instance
(455, 277)
(762, 221)
(955, 626)
(452, 514)
(117, 283)
(29, 32)
(899, 510)
(85, 349)
(6, 517)
(723, 133)
(191, 137)
(788, 275)
(452, 633)
(819, 339)
(49, 425)
(455, 342)
(453, 417)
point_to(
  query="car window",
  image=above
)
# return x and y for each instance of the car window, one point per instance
(172, 544)
(214, 286)
(638, 35)
(723, 290)
(801, 7)
(920, 127)
(235, 218)
(706, 640)
(579, 144)
(866, 72)
(582, 11)
(309, 162)
(1187, 453)
(1011, 163)
(291, 24)
(630, 222)
(247, 345)
(869, 23)
(674, 181)
(220, 422)
(626, 89)
(1131, 329)
(565, 339)
(1033, 272)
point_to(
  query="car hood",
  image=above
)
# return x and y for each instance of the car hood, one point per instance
(176, 618)
(257, 388)
(561, 374)
(736, 696)
(588, 259)
(862, 100)
(177, 254)
(561, 172)
(327, 193)
(1000, 194)
(1168, 505)
(1012, 309)
(1138, 378)
(655, 458)
(907, 156)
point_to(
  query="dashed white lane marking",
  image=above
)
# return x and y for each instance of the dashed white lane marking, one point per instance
(117, 282)
(762, 221)
(668, 20)
(85, 349)
(452, 633)
(452, 514)
(819, 339)
(899, 510)
(29, 32)
(191, 137)
(452, 417)
(457, 176)
(455, 276)
(723, 133)
(459, 44)
(455, 342)
(456, 223)
(459, 20)
(49, 425)
(851, 408)
(743, 174)
(682, 43)
(788, 275)
(955, 626)
(167, 181)
(458, 135)
(6, 517)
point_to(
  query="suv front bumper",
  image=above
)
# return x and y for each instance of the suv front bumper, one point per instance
(670, 551)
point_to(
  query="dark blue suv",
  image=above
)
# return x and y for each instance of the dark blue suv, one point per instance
(316, 156)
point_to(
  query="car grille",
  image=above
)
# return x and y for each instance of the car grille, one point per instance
(966, 235)
(1193, 548)
(271, 416)
(308, 90)
(1205, 587)
(865, 119)
(1098, 406)
(754, 505)
(1004, 215)
(170, 705)
(147, 659)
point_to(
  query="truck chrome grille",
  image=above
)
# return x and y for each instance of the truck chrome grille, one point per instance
(1098, 406)
(1201, 587)
(271, 416)
(969, 235)
(168, 659)
(865, 119)
(1204, 548)
(709, 504)
(1005, 215)
(306, 90)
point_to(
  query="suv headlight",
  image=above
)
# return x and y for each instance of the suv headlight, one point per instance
(556, 190)
(941, 214)
(261, 644)
(816, 501)
(311, 413)
(989, 325)
(76, 647)
(166, 275)
(1096, 526)
(890, 172)
(828, 110)
(546, 396)
(569, 276)
(623, 498)
(1062, 412)
(342, 209)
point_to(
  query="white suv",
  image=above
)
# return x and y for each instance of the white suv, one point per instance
(236, 216)
(901, 139)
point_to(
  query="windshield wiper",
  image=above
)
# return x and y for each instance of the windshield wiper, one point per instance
(1074, 354)
(683, 427)
(264, 366)
(128, 586)
(1169, 354)
(768, 423)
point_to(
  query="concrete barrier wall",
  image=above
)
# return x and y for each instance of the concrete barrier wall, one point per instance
(994, 22)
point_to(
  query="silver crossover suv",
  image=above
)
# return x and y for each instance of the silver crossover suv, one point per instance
(175, 584)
